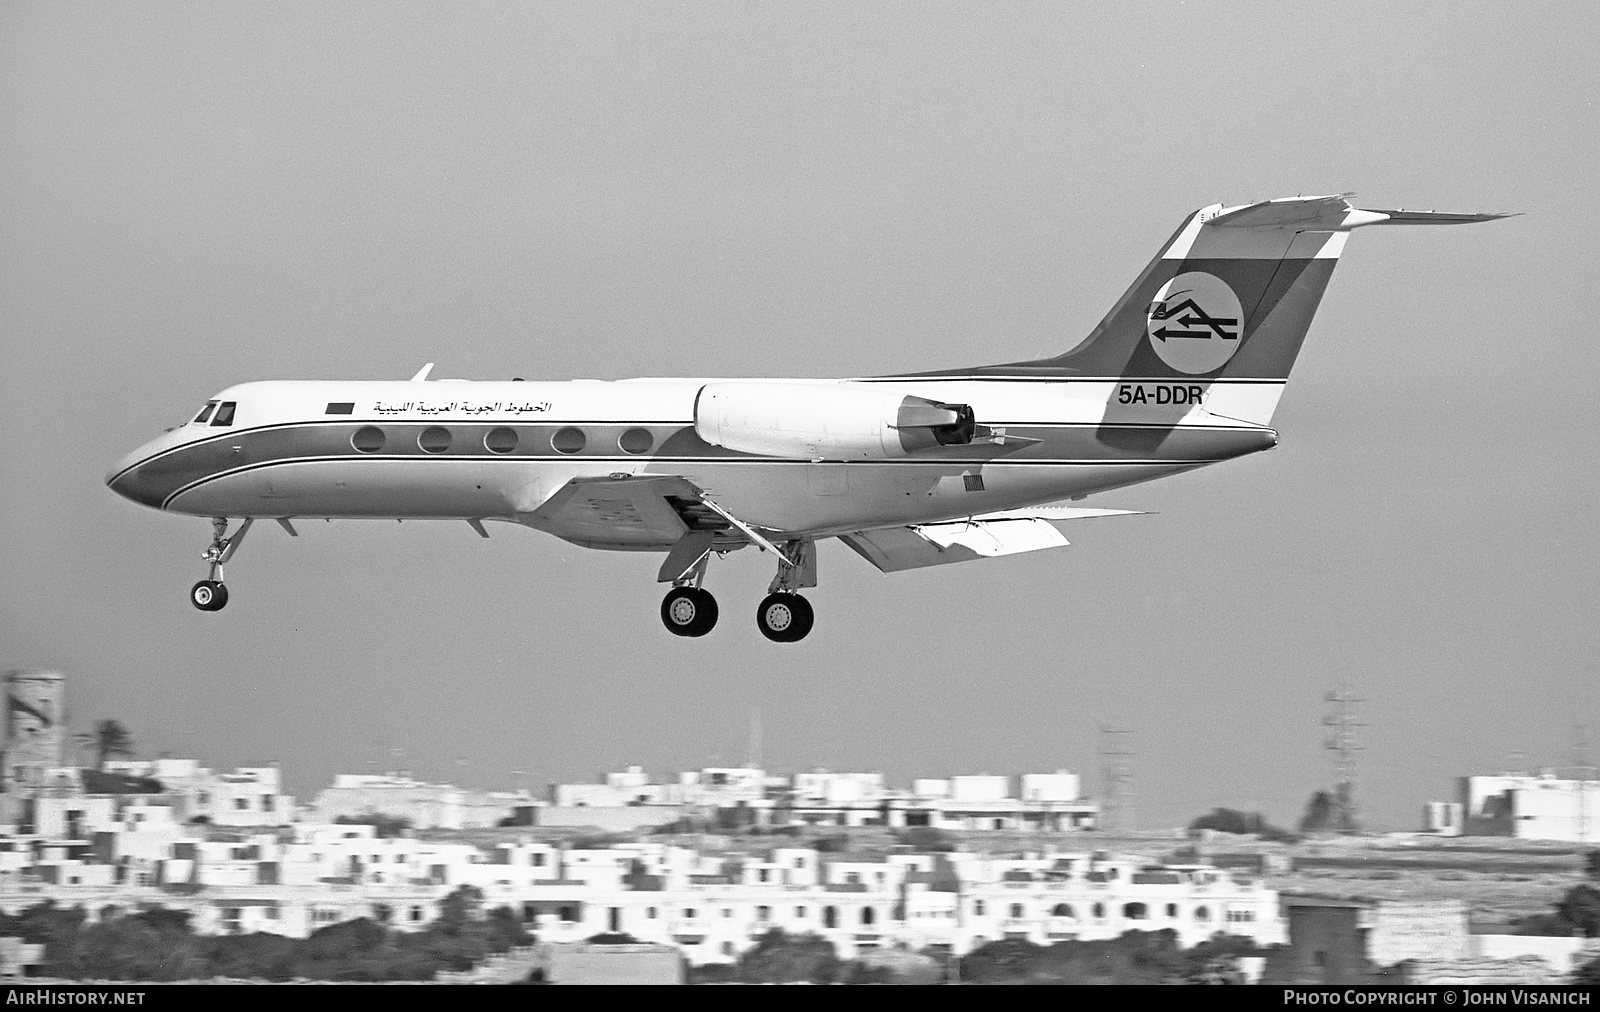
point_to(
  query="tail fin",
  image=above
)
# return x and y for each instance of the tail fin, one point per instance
(1230, 297)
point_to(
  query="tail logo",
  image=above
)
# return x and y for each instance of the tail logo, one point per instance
(1195, 323)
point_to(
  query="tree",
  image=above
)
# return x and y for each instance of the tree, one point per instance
(382, 825)
(1580, 907)
(463, 906)
(1228, 820)
(1588, 973)
(110, 738)
(252, 957)
(1011, 960)
(1319, 813)
(926, 839)
(779, 958)
(1134, 957)
(101, 782)
(1578, 912)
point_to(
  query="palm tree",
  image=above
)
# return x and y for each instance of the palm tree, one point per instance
(110, 738)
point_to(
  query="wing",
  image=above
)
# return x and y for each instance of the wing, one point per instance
(986, 536)
(639, 514)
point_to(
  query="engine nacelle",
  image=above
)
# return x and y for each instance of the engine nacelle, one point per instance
(829, 421)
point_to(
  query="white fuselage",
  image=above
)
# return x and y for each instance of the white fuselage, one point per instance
(498, 450)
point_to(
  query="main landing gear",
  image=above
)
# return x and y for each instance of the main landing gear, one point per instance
(688, 609)
(783, 617)
(209, 594)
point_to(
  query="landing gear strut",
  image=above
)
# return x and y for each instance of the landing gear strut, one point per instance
(784, 616)
(688, 609)
(209, 594)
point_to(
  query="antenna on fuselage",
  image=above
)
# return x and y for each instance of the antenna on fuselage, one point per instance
(422, 374)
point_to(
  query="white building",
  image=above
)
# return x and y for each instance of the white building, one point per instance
(1540, 807)
(629, 787)
(838, 788)
(724, 787)
(426, 806)
(247, 796)
(712, 906)
(1047, 801)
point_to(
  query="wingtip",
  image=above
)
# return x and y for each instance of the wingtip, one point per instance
(1401, 216)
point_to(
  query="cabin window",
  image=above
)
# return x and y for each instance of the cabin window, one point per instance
(434, 439)
(636, 441)
(501, 440)
(224, 415)
(205, 413)
(368, 439)
(568, 440)
(341, 408)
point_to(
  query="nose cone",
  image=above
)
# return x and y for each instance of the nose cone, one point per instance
(132, 477)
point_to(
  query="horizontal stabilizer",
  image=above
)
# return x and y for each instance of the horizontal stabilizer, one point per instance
(1333, 213)
(1009, 532)
(1404, 217)
(1286, 212)
(1057, 514)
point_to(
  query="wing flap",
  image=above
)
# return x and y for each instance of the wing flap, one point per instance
(893, 549)
(987, 536)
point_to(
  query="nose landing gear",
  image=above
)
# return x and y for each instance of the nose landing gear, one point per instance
(209, 594)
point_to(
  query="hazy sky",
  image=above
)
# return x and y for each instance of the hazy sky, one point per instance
(198, 195)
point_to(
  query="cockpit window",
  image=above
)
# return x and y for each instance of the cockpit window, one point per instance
(224, 413)
(205, 413)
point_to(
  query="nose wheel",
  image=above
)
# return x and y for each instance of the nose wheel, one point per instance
(688, 611)
(208, 595)
(785, 618)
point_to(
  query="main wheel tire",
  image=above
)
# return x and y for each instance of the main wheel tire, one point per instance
(208, 595)
(804, 619)
(688, 611)
(784, 618)
(708, 612)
